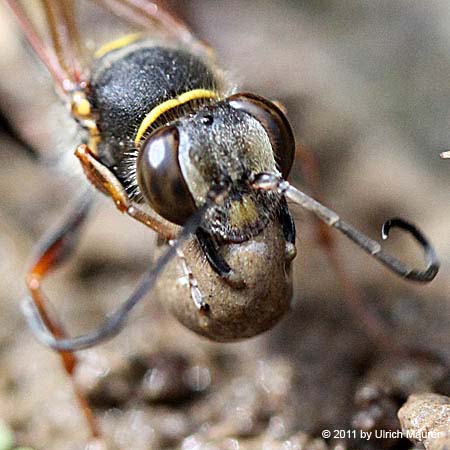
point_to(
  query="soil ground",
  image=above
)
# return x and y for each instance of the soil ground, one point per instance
(366, 88)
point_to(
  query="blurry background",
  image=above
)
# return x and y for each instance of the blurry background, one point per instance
(366, 87)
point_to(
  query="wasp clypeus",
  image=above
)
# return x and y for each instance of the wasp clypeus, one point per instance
(166, 136)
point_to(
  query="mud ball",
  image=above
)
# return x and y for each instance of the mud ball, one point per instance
(234, 312)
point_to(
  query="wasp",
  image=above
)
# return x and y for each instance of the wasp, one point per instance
(178, 148)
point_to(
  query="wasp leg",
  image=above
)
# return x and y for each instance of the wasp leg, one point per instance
(50, 254)
(115, 321)
(144, 13)
(48, 56)
(215, 259)
(105, 181)
(60, 17)
(288, 226)
(196, 294)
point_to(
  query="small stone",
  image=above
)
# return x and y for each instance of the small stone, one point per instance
(425, 418)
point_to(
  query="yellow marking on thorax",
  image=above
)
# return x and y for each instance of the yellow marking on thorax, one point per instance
(163, 107)
(80, 106)
(82, 110)
(116, 44)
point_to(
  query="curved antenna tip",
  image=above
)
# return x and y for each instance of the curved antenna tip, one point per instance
(385, 229)
(433, 263)
(397, 222)
(273, 182)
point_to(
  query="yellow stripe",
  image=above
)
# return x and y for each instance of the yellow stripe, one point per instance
(116, 44)
(169, 104)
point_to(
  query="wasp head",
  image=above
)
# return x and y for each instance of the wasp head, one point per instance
(224, 144)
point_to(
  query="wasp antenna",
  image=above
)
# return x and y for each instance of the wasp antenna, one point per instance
(433, 263)
(116, 321)
(273, 182)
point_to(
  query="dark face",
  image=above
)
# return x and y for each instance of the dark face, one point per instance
(221, 144)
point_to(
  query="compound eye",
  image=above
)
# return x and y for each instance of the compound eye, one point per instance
(274, 122)
(160, 178)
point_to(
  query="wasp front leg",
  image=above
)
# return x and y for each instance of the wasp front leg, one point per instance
(220, 265)
(215, 259)
(50, 254)
(288, 226)
(105, 181)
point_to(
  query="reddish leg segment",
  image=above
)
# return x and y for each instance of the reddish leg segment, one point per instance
(48, 56)
(60, 16)
(105, 181)
(50, 254)
(145, 13)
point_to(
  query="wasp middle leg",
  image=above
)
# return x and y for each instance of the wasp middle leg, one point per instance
(372, 325)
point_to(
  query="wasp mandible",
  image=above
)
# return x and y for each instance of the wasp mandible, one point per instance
(168, 138)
